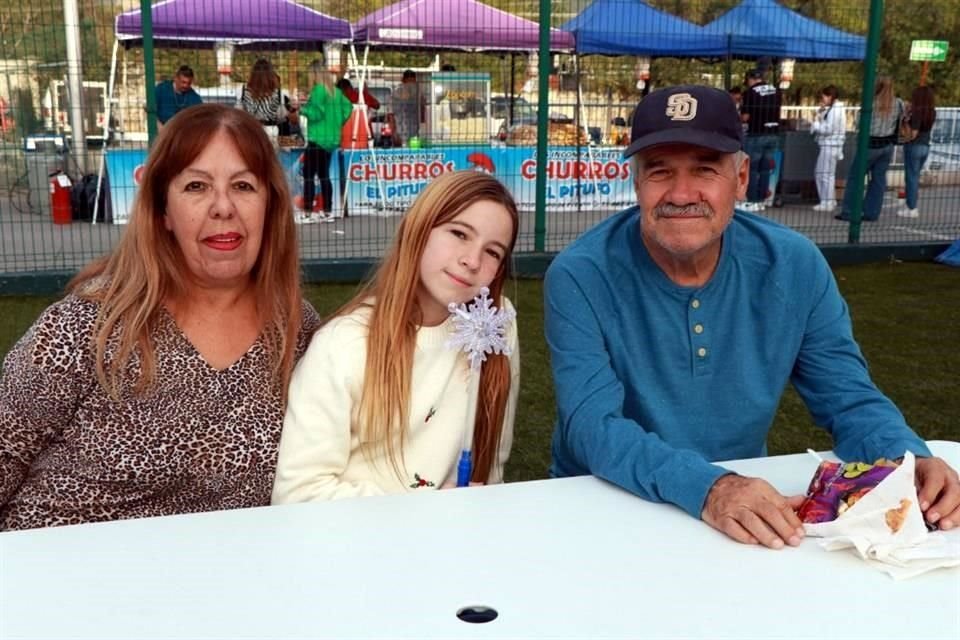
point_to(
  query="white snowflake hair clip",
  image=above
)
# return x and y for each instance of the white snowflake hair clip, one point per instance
(480, 328)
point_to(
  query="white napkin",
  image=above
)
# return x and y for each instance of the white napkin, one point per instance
(886, 529)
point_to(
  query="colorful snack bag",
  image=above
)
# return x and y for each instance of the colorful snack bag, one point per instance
(837, 486)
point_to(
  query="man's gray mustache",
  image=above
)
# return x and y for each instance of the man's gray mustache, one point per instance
(699, 209)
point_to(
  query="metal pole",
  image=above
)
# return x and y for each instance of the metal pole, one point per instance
(106, 129)
(577, 123)
(149, 73)
(71, 21)
(728, 66)
(855, 179)
(543, 122)
(509, 88)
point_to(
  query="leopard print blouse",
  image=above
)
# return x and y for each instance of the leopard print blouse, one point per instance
(201, 440)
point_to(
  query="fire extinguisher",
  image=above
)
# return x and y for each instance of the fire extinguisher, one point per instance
(60, 188)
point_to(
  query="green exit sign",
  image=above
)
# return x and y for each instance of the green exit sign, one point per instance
(929, 50)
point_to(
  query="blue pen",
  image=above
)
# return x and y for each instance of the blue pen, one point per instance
(464, 468)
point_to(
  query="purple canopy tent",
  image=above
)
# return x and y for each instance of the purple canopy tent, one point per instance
(272, 24)
(203, 24)
(453, 24)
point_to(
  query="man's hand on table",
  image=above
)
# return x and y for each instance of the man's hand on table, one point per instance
(751, 511)
(938, 488)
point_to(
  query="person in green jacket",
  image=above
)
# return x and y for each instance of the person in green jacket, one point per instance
(326, 111)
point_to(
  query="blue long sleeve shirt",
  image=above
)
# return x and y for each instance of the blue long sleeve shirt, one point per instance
(655, 380)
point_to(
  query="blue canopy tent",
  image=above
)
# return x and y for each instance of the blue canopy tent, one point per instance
(632, 27)
(756, 28)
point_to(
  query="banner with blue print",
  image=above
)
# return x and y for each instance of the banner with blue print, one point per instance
(385, 182)
(125, 168)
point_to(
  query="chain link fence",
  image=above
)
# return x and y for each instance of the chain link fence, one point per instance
(448, 84)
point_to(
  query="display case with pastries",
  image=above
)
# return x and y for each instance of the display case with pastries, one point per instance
(559, 134)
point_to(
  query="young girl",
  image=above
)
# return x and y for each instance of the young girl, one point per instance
(921, 116)
(887, 109)
(380, 403)
(829, 128)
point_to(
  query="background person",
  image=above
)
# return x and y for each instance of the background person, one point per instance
(158, 385)
(921, 116)
(405, 104)
(353, 95)
(760, 110)
(887, 111)
(326, 111)
(736, 93)
(380, 403)
(829, 129)
(173, 96)
(675, 325)
(263, 98)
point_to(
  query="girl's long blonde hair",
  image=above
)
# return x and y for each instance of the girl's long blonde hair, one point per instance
(148, 267)
(884, 96)
(395, 318)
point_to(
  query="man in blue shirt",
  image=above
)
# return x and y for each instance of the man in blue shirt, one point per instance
(675, 325)
(175, 95)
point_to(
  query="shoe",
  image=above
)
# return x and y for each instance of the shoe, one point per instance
(750, 207)
(908, 213)
(825, 206)
(308, 218)
(328, 217)
(840, 216)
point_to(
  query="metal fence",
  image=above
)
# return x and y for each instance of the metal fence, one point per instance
(477, 102)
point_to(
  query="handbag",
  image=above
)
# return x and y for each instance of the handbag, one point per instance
(906, 133)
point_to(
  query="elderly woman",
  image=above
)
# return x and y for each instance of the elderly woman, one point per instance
(158, 384)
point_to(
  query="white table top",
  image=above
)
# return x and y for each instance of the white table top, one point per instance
(570, 558)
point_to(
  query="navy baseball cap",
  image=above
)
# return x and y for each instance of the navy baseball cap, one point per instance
(686, 114)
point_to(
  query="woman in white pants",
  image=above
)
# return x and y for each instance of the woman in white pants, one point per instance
(829, 129)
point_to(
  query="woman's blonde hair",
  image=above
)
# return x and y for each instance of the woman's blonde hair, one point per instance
(395, 318)
(263, 80)
(148, 267)
(319, 75)
(884, 97)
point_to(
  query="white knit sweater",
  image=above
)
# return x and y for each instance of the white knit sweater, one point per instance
(320, 456)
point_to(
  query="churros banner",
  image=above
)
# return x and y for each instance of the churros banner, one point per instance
(384, 182)
(387, 181)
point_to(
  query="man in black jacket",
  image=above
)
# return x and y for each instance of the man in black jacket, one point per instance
(761, 113)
